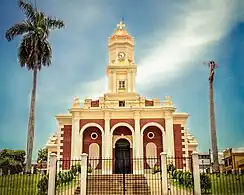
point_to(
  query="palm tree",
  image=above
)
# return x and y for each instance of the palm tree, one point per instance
(34, 52)
(212, 67)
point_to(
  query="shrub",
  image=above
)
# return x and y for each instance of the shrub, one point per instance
(156, 169)
(89, 169)
(43, 185)
(76, 168)
(205, 182)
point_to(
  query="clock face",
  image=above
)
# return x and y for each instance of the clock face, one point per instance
(121, 55)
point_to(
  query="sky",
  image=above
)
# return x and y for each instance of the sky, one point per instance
(173, 40)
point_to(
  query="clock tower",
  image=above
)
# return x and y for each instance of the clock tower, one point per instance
(121, 70)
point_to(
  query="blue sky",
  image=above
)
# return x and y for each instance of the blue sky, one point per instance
(173, 39)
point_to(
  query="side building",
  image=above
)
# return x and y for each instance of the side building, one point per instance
(234, 160)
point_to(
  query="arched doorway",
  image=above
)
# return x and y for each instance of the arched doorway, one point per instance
(122, 157)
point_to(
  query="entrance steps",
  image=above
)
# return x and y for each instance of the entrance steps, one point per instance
(116, 184)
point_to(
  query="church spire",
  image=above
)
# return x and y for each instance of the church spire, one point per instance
(121, 70)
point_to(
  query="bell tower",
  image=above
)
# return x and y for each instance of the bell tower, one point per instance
(121, 70)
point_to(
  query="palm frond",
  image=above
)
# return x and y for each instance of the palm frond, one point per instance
(46, 53)
(26, 52)
(28, 9)
(18, 29)
(54, 23)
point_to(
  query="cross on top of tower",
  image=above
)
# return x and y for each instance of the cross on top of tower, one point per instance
(121, 25)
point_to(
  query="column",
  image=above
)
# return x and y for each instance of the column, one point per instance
(107, 145)
(196, 173)
(137, 146)
(170, 147)
(164, 142)
(83, 175)
(75, 144)
(164, 174)
(52, 174)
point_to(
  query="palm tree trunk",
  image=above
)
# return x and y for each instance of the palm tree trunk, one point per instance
(213, 129)
(31, 124)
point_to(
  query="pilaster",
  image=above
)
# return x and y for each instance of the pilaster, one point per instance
(114, 81)
(107, 136)
(138, 145)
(137, 136)
(133, 81)
(129, 84)
(107, 146)
(170, 146)
(75, 143)
(60, 138)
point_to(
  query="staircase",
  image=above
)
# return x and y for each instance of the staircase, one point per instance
(115, 184)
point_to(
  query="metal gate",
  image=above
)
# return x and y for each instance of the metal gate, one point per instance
(124, 176)
(68, 177)
(180, 176)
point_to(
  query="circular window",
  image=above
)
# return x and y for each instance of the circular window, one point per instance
(94, 135)
(150, 135)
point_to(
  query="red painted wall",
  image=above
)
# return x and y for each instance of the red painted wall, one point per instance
(160, 121)
(95, 103)
(178, 146)
(67, 137)
(115, 121)
(157, 140)
(87, 141)
(122, 130)
(149, 103)
(98, 121)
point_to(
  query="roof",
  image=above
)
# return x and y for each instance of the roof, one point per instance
(121, 32)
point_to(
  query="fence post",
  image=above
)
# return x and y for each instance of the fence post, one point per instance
(83, 175)
(164, 173)
(196, 173)
(52, 174)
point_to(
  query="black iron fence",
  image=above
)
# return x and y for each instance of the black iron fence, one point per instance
(222, 183)
(16, 182)
(124, 176)
(180, 175)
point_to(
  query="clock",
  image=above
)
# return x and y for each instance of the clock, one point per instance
(121, 55)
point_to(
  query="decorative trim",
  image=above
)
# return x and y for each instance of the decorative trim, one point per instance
(152, 124)
(122, 124)
(122, 137)
(96, 135)
(91, 125)
(150, 137)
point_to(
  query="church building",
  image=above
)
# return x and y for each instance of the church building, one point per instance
(122, 119)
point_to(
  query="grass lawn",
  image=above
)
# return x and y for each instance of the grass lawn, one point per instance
(19, 184)
(227, 184)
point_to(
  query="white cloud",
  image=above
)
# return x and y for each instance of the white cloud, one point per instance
(201, 24)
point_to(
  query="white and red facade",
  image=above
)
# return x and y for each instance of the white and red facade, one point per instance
(149, 126)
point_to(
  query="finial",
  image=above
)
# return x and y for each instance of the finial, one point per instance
(76, 102)
(121, 24)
